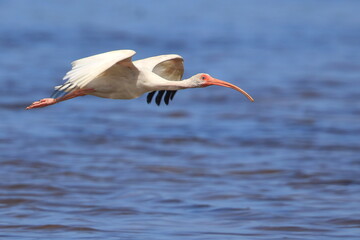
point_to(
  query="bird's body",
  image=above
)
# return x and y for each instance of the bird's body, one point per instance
(114, 75)
(128, 80)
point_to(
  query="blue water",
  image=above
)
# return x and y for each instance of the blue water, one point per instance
(211, 165)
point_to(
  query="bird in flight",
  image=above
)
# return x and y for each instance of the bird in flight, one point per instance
(114, 75)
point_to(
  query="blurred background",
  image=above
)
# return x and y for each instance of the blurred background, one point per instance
(211, 165)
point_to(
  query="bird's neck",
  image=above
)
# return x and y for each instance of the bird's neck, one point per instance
(155, 83)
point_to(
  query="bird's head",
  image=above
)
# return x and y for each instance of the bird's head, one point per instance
(205, 80)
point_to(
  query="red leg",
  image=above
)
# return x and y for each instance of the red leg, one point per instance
(76, 93)
(42, 103)
(50, 101)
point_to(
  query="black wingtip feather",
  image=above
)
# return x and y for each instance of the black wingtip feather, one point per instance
(172, 95)
(150, 96)
(159, 97)
(168, 96)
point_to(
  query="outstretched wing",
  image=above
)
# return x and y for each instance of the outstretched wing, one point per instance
(87, 69)
(170, 67)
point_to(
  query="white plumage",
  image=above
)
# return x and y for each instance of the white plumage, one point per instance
(114, 75)
(87, 69)
(105, 72)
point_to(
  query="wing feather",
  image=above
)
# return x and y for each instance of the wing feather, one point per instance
(170, 67)
(87, 69)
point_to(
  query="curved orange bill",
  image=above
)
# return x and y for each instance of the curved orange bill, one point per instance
(218, 82)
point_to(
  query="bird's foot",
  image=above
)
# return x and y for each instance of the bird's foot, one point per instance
(42, 103)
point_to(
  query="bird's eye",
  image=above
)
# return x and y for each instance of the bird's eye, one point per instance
(203, 77)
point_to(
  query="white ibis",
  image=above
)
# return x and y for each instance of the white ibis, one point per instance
(114, 75)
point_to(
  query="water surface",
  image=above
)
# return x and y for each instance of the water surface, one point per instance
(211, 165)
